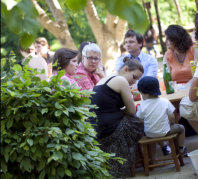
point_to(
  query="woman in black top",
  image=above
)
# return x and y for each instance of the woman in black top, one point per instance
(118, 130)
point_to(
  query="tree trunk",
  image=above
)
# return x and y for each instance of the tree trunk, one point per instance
(109, 36)
(178, 9)
(58, 28)
(148, 7)
(159, 27)
(196, 2)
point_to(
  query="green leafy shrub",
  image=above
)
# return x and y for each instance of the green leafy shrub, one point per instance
(44, 133)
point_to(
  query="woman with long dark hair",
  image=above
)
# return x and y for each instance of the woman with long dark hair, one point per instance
(179, 54)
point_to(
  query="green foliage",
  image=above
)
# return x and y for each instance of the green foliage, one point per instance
(168, 12)
(20, 18)
(129, 10)
(76, 5)
(44, 133)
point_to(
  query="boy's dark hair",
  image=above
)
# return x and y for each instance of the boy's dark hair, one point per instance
(149, 85)
(131, 33)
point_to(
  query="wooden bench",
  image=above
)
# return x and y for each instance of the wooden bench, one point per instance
(175, 155)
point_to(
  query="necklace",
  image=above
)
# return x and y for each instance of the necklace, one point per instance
(180, 58)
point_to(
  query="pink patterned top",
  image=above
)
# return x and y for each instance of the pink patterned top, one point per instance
(70, 79)
(87, 80)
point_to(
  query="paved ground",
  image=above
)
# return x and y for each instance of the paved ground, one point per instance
(168, 172)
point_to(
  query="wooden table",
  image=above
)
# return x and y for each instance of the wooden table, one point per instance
(174, 97)
(177, 96)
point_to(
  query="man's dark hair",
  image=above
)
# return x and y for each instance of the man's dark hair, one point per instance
(131, 33)
(179, 37)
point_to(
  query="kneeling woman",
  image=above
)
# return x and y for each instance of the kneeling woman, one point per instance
(118, 130)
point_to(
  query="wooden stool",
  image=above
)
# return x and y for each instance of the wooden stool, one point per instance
(145, 141)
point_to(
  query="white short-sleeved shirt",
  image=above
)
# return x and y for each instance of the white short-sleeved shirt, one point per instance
(155, 113)
(196, 71)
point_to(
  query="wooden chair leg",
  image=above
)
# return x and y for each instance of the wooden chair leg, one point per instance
(152, 154)
(177, 151)
(174, 155)
(141, 155)
(132, 170)
(146, 160)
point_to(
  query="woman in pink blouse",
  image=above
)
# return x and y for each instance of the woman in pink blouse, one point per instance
(67, 60)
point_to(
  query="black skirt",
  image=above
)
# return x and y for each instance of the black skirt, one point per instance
(124, 143)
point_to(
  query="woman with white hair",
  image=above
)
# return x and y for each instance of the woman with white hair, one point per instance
(87, 69)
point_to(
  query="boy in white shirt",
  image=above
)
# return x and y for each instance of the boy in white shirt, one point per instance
(157, 114)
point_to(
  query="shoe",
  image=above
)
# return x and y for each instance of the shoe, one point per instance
(166, 150)
(183, 150)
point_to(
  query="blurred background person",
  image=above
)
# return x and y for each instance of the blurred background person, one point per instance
(150, 40)
(43, 49)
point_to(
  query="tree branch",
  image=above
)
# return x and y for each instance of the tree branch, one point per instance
(111, 22)
(59, 30)
(120, 30)
(93, 19)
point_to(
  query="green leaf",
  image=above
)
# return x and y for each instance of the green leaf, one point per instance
(17, 67)
(61, 172)
(3, 166)
(69, 131)
(76, 5)
(26, 164)
(42, 175)
(78, 156)
(66, 112)
(26, 40)
(41, 166)
(30, 142)
(58, 106)
(68, 172)
(47, 89)
(65, 121)
(129, 10)
(58, 113)
(45, 110)
(9, 123)
(27, 124)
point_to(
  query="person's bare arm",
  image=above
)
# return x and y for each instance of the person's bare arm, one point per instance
(127, 97)
(194, 90)
(171, 118)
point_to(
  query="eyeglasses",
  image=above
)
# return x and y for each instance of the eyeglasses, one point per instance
(96, 59)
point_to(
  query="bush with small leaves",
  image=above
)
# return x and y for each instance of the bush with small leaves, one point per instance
(44, 133)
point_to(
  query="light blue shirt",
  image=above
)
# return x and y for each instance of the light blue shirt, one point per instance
(148, 62)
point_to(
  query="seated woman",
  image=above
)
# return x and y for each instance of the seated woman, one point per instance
(87, 69)
(179, 54)
(67, 60)
(118, 130)
(101, 69)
